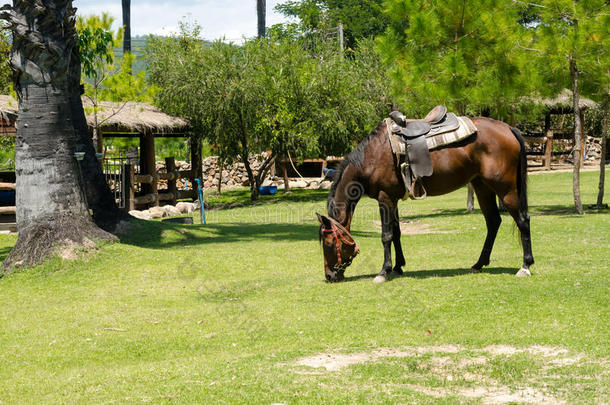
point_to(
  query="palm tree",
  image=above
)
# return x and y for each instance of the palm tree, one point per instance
(261, 13)
(127, 26)
(52, 212)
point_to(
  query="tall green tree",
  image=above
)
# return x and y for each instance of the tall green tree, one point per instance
(52, 212)
(466, 55)
(360, 19)
(6, 77)
(266, 95)
(572, 37)
(96, 44)
(597, 86)
(7, 143)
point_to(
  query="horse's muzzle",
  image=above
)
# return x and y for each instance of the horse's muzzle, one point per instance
(335, 277)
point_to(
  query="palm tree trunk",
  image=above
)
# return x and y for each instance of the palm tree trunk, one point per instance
(261, 11)
(52, 213)
(126, 4)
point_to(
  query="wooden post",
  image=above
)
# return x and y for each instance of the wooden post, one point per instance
(583, 138)
(170, 166)
(196, 159)
(129, 187)
(548, 148)
(220, 169)
(286, 180)
(147, 163)
(341, 39)
(470, 198)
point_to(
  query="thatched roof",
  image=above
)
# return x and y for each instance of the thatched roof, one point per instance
(133, 117)
(116, 117)
(8, 107)
(563, 101)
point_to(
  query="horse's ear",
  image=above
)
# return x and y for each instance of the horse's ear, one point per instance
(324, 221)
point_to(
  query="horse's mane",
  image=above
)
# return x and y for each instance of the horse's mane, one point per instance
(355, 157)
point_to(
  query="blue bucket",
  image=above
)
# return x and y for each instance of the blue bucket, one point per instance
(267, 190)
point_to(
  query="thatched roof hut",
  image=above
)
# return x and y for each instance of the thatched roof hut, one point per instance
(120, 118)
(563, 103)
(132, 117)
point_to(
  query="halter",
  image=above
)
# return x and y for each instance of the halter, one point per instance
(334, 229)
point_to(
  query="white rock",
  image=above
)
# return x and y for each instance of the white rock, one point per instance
(170, 211)
(298, 184)
(325, 185)
(185, 207)
(156, 212)
(140, 215)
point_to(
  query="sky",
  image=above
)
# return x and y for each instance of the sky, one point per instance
(231, 19)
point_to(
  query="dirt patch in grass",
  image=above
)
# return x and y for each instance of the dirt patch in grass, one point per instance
(71, 250)
(414, 228)
(337, 361)
(460, 367)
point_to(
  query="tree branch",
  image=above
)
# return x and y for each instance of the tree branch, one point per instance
(528, 49)
(528, 4)
(113, 114)
(599, 8)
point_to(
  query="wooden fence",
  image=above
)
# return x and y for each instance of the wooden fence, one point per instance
(150, 194)
(547, 140)
(7, 220)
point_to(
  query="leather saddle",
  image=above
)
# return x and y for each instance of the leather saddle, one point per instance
(417, 155)
(437, 121)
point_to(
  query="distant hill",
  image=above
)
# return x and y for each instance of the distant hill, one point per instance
(137, 48)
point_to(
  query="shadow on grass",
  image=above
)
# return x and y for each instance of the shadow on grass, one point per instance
(241, 198)
(456, 272)
(449, 212)
(158, 235)
(562, 210)
(421, 274)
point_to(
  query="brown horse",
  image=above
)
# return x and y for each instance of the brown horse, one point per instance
(493, 160)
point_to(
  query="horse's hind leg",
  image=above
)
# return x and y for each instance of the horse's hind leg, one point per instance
(487, 201)
(400, 258)
(521, 217)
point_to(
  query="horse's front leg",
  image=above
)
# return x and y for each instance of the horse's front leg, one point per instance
(387, 211)
(400, 258)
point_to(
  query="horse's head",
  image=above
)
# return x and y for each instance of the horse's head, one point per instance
(338, 246)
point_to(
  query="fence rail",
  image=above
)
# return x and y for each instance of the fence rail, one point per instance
(115, 177)
(132, 183)
(7, 213)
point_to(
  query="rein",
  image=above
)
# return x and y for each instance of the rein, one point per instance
(338, 236)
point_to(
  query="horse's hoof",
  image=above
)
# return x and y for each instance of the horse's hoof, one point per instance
(380, 279)
(523, 272)
(398, 271)
(474, 271)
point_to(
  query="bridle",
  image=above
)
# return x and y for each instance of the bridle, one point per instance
(336, 231)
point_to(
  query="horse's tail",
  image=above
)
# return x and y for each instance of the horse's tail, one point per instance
(521, 174)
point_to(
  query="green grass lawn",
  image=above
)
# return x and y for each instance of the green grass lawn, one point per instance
(238, 311)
